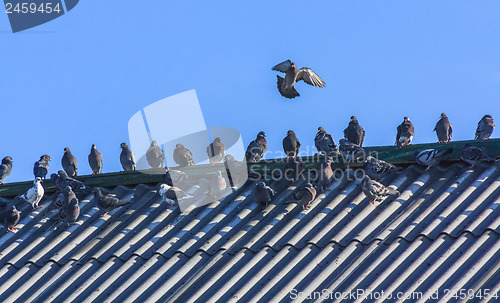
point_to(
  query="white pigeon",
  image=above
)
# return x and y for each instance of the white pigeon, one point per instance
(34, 194)
(431, 157)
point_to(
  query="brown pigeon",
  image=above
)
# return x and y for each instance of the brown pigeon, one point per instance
(405, 133)
(154, 155)
(286, 86)
(183, 156)
(443, 129)
(485, 128)
(305, 195)
(354, 132)
(216, 151)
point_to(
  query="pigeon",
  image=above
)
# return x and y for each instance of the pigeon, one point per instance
(5, 168)
(294, 167)
(58, 203)
(155, 156)
(108, 202)
(350, 151)
(61, 180)
(443, 129)
(485, 128)
(257, 148)
(9, 218)
(305, 195)
(95, 160)
(475, 155)
(34, 194)
(170, 194)
(405, 133)
(127, 158)
(377, 169)
(41, 167)
(376, 191)
(324, 142)
(286, 86)
(325, 175)
(183, 156)
(431, 157)
(216, 151)
(175, 177)
(69, 164)
(291, 144)
(217, 185)
(70, 211)
(354, 132)
(237, 171)
(264, 194)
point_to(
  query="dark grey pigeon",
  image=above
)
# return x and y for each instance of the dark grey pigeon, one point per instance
(95, 160)
(324, 143)
(350, 151)
(291, 144)
(216, 151)
(325, 175)
(70, 211)
(9, 216)
(375, 190)
(155, 156)
(377, 169)
(475, 155)
(305, 195)
(183, 156)
(286, 86)
(127, 158)
(257, 148)
(485, 128)
(443, 129)
(294, 167)
(431, 157)
(405, 133)
(264, 194)
(69, 163)
(354, 132)
(5, 168)
(68, 195)
(61, 180)
(41, 167)
(107, 202)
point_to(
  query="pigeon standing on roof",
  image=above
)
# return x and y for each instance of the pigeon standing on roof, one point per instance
(291, 144)
(175, 177)
(377, 169)
(257, 148)
(5, 168)
(294, 167)
(286, 86)
(485, 128)
(305, 195)
(70, 211)
(127, 157)
(264, 194)
(350, 151)
(375, 190)
(107, 202)
(61, 180)
(155, 156)
(95, 160)
(354, 132)
(183, 156)
(216, 151)
(41, 167)
(9, 217)
(443, 129)
(217, 185)
(324, 142)
(35, 193)
(475, 155)
(170, 194)
(325, 175)
(431, 157)
(405, 133)
(69, 163)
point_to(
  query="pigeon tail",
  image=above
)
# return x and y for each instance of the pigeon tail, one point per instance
(289, 93)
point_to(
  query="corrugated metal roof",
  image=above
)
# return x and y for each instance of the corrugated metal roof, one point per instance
(441, 233)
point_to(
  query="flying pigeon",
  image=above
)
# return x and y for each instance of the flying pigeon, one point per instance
(108, 202)
(294, 167)
(291, 144)
(325, 175)
(431, 157)
(35, 193)
(264, 194)
(350, 151)
(405, 133)
(9, 218)
(216, 151)
(324, 142)
(71, 210)
(376, 191)
(170, 194)
(257, 148)
(305, 195)
(41, 167)
(443, 129)
(286, 86)
(377, 169)
(354, 133)
(95, 160)
(475, 155)
(237, 171)
(217, 185)
(5, 168)
(69, 163)
(183, 156)
(485, 128)
(127, 158)
(155, 156)
(61, 180)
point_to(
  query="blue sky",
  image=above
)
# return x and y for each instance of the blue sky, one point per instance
(78, 79)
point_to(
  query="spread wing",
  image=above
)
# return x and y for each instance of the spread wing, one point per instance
(283, 66)
(309, 77)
